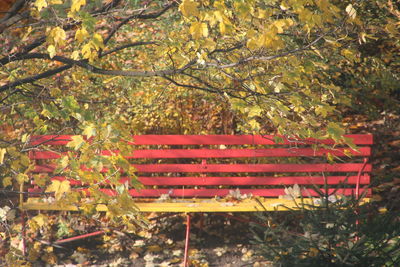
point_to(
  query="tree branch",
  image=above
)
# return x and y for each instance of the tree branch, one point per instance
(237, 46)
(137, 16)
(83, 64)
(264, 58)
(34, 78)
(189, 86)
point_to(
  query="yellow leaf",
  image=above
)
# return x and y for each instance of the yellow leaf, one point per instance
(154, 248)
(63, 162)
(209, 44)
(97, 41)
(59, 188)
(52, 50)
(262, 14)
(40, 4)
(279, 24)
(348, 54)
(56, 36)
(76, 143)
(198, 30)
(89, 130)
(40, 180)
(351, 11)
(266, 39)
(24, 160)
(88, 52)
(55, 2)
(189, 8)
(77, 4)
(81, 34)
(7, 181)
(75, 55)
(21, 178)
(24, 138)
(40, 219)
(222, 27)
(2, 153)
(252, 43)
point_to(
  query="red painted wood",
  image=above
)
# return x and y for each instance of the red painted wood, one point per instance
(344, 167)
(226, 168)
(232, 140)
(272, 192)
(218, 153)
(202, 140)
(44, 168)
(79, 237)
(243, 181)
(235, 181)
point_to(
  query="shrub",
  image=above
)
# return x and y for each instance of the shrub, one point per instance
(333, 232)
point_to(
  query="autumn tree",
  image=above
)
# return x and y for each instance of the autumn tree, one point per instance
(110, 68)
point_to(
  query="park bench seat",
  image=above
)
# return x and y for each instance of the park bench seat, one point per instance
(222, 173)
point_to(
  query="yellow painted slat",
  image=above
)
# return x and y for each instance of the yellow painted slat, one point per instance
(273, 204)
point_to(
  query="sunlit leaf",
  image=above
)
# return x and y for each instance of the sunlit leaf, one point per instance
(189, 8)
(76, 142)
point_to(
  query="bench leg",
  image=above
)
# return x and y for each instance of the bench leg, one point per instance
(62, 241)
(185, 258)
(23, 223)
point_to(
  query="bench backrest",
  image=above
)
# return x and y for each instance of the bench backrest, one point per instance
(207, 166)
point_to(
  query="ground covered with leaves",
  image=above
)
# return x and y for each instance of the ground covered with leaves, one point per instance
(214, 241)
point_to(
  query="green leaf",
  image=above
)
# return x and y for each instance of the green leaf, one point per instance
(335, 131)
(70, 103)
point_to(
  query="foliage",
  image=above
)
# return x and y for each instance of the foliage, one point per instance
(285, 64)
(107, 69)
(338, 232)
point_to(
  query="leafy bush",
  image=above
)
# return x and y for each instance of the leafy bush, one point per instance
(333, 232)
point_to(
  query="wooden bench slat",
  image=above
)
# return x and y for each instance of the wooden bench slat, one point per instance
(210, 193)
(243, 181)
(218, 153)
(234, 181)
(226, 168)
(250, 205)
(202, 140)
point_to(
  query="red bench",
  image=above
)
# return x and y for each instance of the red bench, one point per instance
(223, 173)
